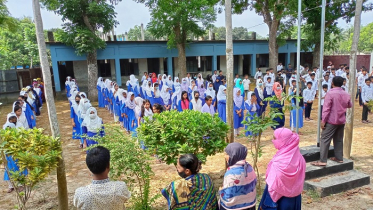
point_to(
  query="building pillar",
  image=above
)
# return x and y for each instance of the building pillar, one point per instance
(117, 72)
(370, 68)
(56, 76)
(240, 65)
(169, 66)
(253, 64)
(214, 63)
(288, 60)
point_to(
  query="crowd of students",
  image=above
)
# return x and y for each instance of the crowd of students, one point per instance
(195, 190)
(23, 115)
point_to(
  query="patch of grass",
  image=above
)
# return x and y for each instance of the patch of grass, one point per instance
(313, 194)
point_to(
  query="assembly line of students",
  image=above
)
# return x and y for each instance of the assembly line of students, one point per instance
(23, 115)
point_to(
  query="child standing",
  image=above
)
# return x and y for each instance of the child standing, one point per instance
(238, 110)
(258, 74)
(325, 89)
(222, 101)
(246, 85)
(366, 96)
(252, 107)
(309, 96)
(299, 109)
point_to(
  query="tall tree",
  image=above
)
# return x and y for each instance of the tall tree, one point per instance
(229, 58)
(52, 113)
(240, 33)
(6, 21)
(134, 34)
(335, 10)
(177, 19)
(273, 12)
(82, 21)
(353, 57)
(18, 45)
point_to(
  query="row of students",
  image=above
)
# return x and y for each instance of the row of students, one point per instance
(86, 124)
(23, 116)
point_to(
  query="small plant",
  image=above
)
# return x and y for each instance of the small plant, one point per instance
(129, 163)
(35, 153)
(258, 124)
(173, 133)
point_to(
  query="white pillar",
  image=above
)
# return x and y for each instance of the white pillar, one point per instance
(370, 68)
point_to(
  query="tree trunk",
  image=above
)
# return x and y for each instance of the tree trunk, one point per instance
(350, 112)
(181, 60)
(92, 75)
(316, 55)
(272, 44)
(49, 98)
(229, 56)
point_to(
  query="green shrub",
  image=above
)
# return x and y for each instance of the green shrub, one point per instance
(35, 152)
(173, 133)
(129, 163)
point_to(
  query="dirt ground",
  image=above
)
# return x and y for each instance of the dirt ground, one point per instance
(45, 196)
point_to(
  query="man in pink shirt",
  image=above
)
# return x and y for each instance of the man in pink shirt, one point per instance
(336, 102)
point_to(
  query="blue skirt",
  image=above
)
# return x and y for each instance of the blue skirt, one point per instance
(284, 203)
(11, 166)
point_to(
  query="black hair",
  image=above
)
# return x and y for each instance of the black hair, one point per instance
(270, 69)
(309, 83)
(347, 68)
(344, 79)
(191, 162)
(208, 98)
(12, 118)
(143, 107)
(158, 107)
(253, 94)
(313, 74)
(324, 86)
(333, 69)
(269, 78)
(195, 92)
(220, 71)
(98, 159)
(314, 67)
(306, 66)
(338, 81)
(77, 95)
(364, 69)
(267, 70)
(182, 93)
(293, 80)
(209, 78)
(326, 75)
(156, 84)
(367, 80)
(16, 108)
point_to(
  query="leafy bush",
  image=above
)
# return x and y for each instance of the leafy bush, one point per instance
(173, 133)
(35, 152)
(129, 163)
(258, 124)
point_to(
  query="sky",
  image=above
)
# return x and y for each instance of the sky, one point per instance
(130, 13)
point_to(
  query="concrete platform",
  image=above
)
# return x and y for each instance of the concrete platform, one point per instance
(332, 168)
(312, 153)
(336, 183)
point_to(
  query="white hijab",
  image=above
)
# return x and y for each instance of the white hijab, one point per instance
(92, 121)
(139, 101)
(165, 95)
(199, 81)
(134, 82)
(84, 105)
(120, 95)
(100, 83)
(237, 99)
(210, 92)
(130, 104)
(259, 88)
(221, 95)
(176, 82)
(148, 89)
(169, 81)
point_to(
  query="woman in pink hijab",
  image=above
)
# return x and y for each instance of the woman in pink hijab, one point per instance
(278, 105)
(285, 173)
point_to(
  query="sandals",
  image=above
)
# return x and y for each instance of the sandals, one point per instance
(318, 163)
(335, 160)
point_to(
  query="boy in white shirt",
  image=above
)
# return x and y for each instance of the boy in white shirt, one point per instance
(279, 67)
(361, 83)
(326, 81)
(235, 79)
(258, 74)
(315, 84)
(308, 97)
(268, 74)
(246, 84)
(366, 96)
(325, 89)
(268, 87)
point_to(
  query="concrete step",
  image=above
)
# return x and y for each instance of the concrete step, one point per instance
(336, 183)
(332, 168)
(312, 153)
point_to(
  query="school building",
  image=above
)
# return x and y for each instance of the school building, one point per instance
(122, 58)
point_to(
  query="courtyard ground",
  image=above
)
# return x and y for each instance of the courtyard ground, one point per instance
(45, 196)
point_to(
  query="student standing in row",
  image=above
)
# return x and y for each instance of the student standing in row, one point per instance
(366, 97)
(238, 108)
(309, 96)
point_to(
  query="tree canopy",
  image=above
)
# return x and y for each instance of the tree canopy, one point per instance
(177, 19)
(18, 46)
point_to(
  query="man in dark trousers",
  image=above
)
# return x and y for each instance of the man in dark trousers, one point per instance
(336, 102)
